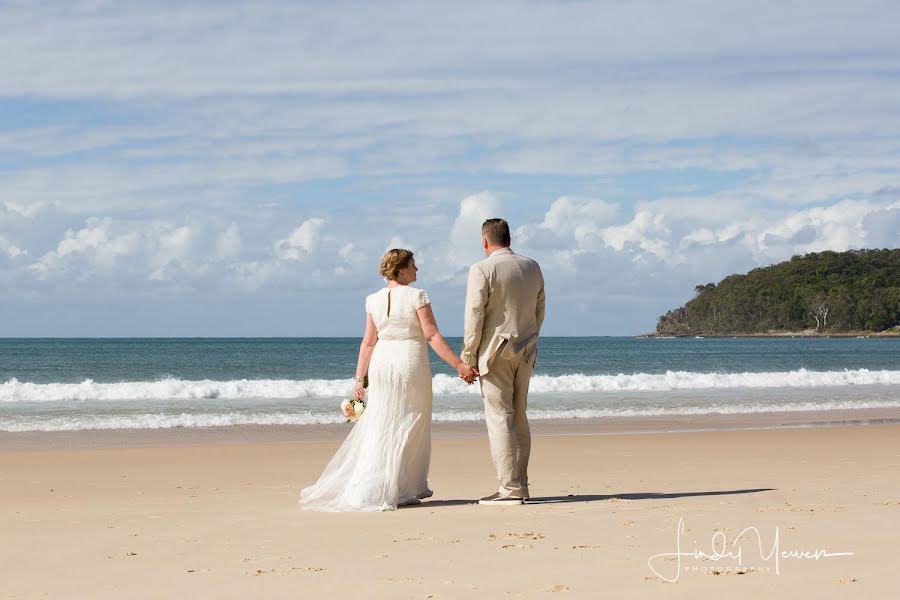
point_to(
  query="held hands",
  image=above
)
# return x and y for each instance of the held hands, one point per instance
(467, 373)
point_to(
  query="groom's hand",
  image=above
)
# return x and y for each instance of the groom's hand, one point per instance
(467, 373)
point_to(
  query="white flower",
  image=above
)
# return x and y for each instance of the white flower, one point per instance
(358, 408)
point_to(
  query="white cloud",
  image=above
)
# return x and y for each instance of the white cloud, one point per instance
(302, 242)
(837, 227)
(647, 232)
(10, 250)
(570, 215)
(27, 210)
(643, 259)
(465, 236)
(351, 254)
(882, 227)
(567, 220)
(173, 249)
(709, 237)
(250, 276)
(229, 244)
(208, 48)
(93, 242)
(398, 242)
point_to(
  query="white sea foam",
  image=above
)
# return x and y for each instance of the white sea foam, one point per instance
(443, 385)
(168, 421)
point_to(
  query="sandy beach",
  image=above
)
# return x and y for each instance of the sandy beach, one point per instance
(184, 514)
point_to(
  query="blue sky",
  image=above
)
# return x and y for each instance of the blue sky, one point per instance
(226, 168)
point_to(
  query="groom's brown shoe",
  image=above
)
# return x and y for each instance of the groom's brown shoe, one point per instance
(500, 500)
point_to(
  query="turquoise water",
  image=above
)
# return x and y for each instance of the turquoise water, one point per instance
(143, 359)
(58, 384)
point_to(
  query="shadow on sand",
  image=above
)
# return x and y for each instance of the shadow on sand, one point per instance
(601, 497)
(640, 496)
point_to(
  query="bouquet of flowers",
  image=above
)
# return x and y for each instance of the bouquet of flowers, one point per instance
(353, 408)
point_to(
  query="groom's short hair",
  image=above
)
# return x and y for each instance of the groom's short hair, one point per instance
(496, 232)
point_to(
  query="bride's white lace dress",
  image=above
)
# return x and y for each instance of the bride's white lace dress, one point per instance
(384, 460)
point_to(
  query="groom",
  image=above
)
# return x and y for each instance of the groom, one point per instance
(504, 312)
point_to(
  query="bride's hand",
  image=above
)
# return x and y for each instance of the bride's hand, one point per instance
(360, 392)
(467, 373)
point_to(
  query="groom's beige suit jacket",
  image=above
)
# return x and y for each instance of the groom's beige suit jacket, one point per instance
(504, 303)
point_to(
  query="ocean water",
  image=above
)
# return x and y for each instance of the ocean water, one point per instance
(70, 384)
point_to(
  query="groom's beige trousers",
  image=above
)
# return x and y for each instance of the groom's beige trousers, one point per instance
(505, 392)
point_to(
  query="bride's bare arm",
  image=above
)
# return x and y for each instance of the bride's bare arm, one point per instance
(437, 341)
(365, 355)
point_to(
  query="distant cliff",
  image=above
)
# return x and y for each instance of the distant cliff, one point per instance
(821, 293)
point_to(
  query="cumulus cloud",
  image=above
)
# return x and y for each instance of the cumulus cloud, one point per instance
(646, 233)
(127, 253)
(229, 244)
(302, 242)
(24, 209)
(602, 258)
(94, 243)
(172, 251)
(837, 227)
(882, 227)
(351, 255)
(709, 237)
(399, 242)
(10, 250)
(465, 236)
(568, 220)
(249, 276)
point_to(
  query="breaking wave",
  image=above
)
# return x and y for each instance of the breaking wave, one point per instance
(443, 385)
(168, 421)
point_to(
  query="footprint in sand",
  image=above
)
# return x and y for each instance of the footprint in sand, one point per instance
(307, 569)
(557, 588)
(409, 539)
(518, 546)
(527, 535)
(848, 580)
(403, 580)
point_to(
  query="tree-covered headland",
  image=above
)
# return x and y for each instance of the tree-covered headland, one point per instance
(823, 292)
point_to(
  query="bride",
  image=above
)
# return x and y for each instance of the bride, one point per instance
(383, 463)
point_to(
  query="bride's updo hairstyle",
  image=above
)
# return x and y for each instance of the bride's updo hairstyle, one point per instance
(395, 261)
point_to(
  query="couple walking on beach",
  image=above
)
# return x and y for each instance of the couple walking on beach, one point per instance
(383, 463)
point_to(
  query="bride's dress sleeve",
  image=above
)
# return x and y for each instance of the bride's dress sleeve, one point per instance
(421, 299)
